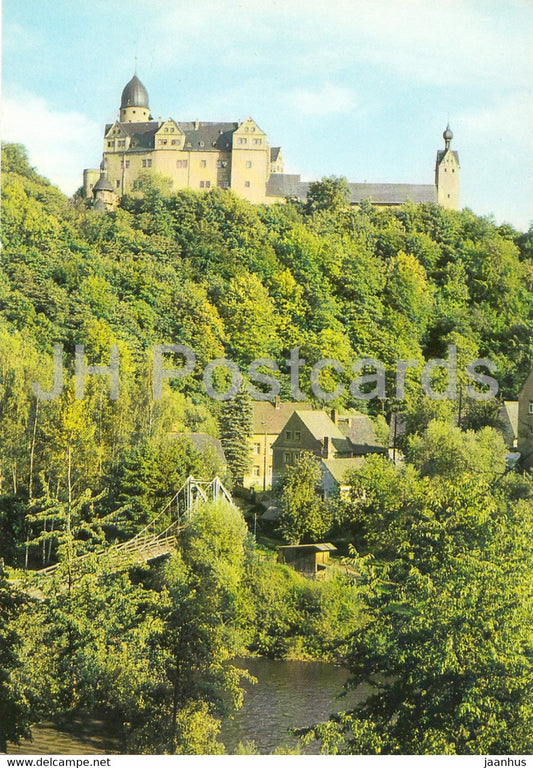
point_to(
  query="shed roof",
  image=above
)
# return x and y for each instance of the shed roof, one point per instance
(322, 547)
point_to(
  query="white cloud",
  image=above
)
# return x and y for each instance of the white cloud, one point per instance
(60, 144)
(329, 99)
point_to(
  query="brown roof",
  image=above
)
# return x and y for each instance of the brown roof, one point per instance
(272, 417)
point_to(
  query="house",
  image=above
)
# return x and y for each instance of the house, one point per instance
(339, 441)
(311, 560)
(269, 419)
(525, 421)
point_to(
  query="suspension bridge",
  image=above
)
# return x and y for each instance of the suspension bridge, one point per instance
(151, 542)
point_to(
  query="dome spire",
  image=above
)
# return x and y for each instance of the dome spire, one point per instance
(447, 136)
(134, 106)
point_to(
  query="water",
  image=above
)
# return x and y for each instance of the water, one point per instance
(288, 694)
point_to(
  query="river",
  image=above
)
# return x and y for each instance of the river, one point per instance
(288, 694)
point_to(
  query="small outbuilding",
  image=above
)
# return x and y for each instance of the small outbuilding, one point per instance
(311, 560)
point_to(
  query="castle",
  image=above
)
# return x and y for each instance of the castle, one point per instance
(199, 155)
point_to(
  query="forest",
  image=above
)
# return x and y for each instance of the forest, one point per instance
(437, 619)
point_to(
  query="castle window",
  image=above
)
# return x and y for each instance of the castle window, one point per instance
(201, 143)
(181, 163)
(243, 141)
(202, 184)
(118, 182)
(207, 184)
(257, 448)
(246, 183)
(203, 163)
(258, 141)
(248, 163)
(110, 144)
(219, 164)
(256, 471)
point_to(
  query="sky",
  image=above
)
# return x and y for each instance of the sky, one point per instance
(355, 88)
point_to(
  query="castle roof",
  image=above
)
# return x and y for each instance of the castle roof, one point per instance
(274, 153)
(134, 94)
(103, 184)
(290, 185)
(442, 152)
(198, 136)
(201, 136)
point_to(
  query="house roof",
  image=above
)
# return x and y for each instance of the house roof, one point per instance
(322, 547)
(273, 417)
(321, 426)
(203, 442)
(338, 468)
(291, 185)
(274, 153)
(358, 427)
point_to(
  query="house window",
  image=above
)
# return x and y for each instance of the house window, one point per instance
(288, 435)
(287, 457)
(297, 436)
(203, 163)
(207, 184)
(202, 184)
(246, 183)
(531, 409)
(257, 448)
(118, 182)
(256, 471)
(248, 163)
(127, 164)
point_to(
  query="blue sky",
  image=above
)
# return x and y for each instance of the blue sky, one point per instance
(361, 88)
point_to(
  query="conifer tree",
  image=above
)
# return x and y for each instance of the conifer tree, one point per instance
(236, 427)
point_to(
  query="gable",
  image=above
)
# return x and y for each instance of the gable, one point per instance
(114, 131)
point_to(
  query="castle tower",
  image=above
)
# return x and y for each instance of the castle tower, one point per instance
(104, 194)
(447, 170)
(134, 102)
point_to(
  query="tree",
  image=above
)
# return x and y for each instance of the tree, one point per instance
(447, 649)
(236, 428)
(14, 712)
(331, 193)
(305, 516)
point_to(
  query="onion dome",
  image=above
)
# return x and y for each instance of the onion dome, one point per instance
(134, 94)
(448, 133)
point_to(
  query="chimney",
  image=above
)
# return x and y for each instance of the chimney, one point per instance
(277, 403)
(334, 415)
(327, 447)
(196, 125)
